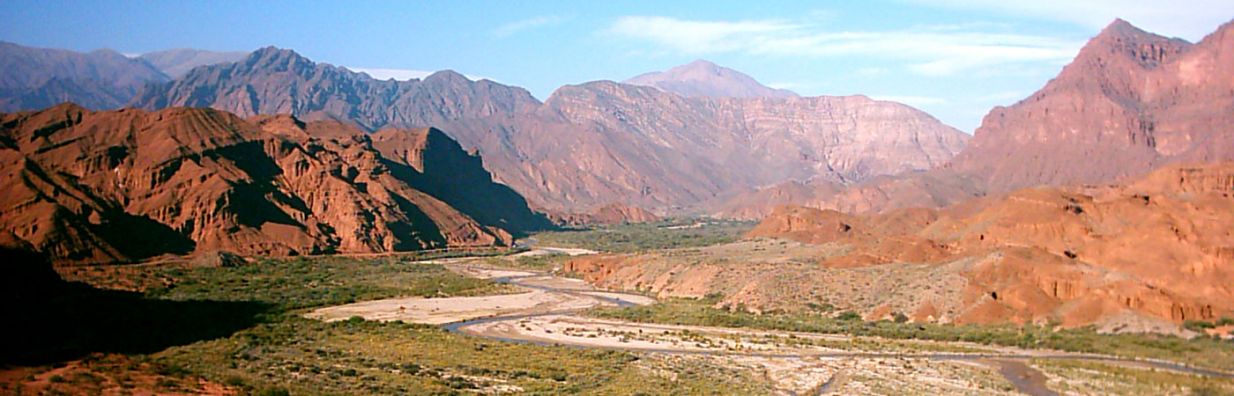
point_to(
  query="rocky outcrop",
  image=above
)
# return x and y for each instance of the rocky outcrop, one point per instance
(706, 79)
(129, 185)
(37, 78)
(1123, 257)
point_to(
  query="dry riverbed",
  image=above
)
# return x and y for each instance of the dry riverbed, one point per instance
(548, 312)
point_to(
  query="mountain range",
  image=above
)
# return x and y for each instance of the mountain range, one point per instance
(701, 138)
(37, 78)
(593, 144)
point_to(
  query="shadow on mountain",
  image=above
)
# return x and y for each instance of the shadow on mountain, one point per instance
(140, 237)
(50, 320)
(454, 176)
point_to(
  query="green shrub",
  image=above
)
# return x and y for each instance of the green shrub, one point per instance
(848, 316)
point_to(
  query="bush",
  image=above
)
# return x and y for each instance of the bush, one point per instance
(1198, 325)
(849, 316)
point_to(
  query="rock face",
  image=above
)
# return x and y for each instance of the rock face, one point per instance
(600, 142)
(37, 78)
(703, 78)
(1124, 257)
(593, 144)
(126, 185)
(1129, 102)
(175, 63)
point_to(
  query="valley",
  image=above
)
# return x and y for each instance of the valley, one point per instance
(350, 324)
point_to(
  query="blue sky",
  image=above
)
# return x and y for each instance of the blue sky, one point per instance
(952, 58)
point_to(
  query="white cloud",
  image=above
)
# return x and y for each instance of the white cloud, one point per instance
(512, 28)
(784, 85)
(915, 101)
(397, 74)
(696, 37)
(1189, 19)
(928, 50)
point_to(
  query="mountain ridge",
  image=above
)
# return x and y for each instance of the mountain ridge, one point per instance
(704, 78)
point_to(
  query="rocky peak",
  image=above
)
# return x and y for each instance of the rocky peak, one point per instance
(1122, 39)
(447, 75)
(276, 59)
(703, 78)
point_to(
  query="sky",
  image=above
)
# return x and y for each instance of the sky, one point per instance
(952, 58)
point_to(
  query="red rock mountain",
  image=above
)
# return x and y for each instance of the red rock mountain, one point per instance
(703, 78)
(126, 185)
(1129, 102)
(37, 78)
(592, 144)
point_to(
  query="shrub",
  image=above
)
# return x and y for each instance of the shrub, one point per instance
(849, 316)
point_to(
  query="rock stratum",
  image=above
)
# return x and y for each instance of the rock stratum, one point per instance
(128, 185)
(1133, 257)
(589, 145)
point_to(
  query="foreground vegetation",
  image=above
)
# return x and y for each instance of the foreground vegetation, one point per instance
(359, 357)
(1094, 378)
(276, 351)
(669, 234)
(320, 281)
(1201, 351)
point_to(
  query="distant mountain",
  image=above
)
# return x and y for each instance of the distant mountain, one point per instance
(177, 62)
(597, 143)
(36, 78)
(593, 144)
(706, 79)
(127, 185)
(279, 81)
(1130, 102)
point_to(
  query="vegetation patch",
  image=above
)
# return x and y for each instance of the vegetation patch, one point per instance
(628, 238)
(1200, 351)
